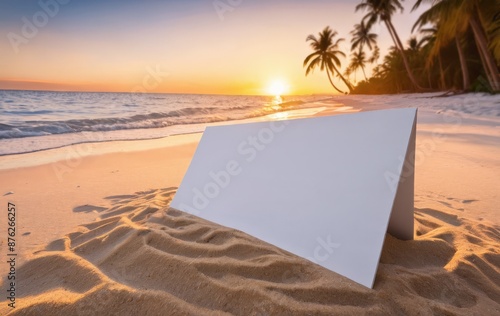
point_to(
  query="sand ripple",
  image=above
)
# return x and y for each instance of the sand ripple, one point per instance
(142, 258)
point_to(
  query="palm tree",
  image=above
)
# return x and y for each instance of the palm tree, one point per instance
(456, 17)
(375, 55)
(442, 35)
(418, 54)
(429, 42)
(348, 72)
(391, 71)
(326, 55)
(414, 44)
(358, 60)
(495, 35)
(382, 10)
(361, 36)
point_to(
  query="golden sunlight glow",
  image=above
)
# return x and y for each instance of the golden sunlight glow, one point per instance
(279, 116)
(278, 88)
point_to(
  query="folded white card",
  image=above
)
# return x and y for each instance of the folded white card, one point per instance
(324, 188)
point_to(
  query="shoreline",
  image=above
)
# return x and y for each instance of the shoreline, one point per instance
(95, 142)
(78, 150)
(22, 131)
(60, 186)
(91, 148)
(355, 102)
(62, 163)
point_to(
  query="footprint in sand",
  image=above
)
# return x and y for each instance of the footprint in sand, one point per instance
(88, 208)
(468, 201)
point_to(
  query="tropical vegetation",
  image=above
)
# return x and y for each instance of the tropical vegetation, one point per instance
(455, 47)
(326, 56)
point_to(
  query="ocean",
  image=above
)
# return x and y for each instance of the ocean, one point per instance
(38, 120)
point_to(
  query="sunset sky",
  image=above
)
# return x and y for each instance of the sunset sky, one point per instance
(173, 46)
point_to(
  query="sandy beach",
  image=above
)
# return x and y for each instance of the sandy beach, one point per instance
(96, 236)
(370, 184)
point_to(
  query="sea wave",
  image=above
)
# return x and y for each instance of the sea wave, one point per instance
(187, 115)
(39, 120)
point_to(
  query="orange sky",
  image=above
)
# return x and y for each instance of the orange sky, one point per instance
(177, 48)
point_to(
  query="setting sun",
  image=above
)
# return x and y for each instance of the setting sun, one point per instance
(278, 88)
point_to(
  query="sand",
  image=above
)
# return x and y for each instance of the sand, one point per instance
(142, 258)
(54, 197)
(103, 241)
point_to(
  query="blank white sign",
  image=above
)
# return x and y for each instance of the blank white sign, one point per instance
(322, 188)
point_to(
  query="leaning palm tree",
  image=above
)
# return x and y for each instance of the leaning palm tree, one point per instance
(455, 17)
(361, 36)
(382, 10)
(326, 55)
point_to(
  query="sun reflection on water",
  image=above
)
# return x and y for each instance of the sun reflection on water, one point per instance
(279, 116)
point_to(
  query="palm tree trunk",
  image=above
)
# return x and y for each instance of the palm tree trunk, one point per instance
(441, 73)
(400, 47)
(483, 62)
(429, 81)
(349, 86)
(364, 74)
(463, 64)
(482, 43)
(398, 86)
(329, 78)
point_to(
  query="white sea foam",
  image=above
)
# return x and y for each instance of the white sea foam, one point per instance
(36, 120)
(33, 120)
(470, 104)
